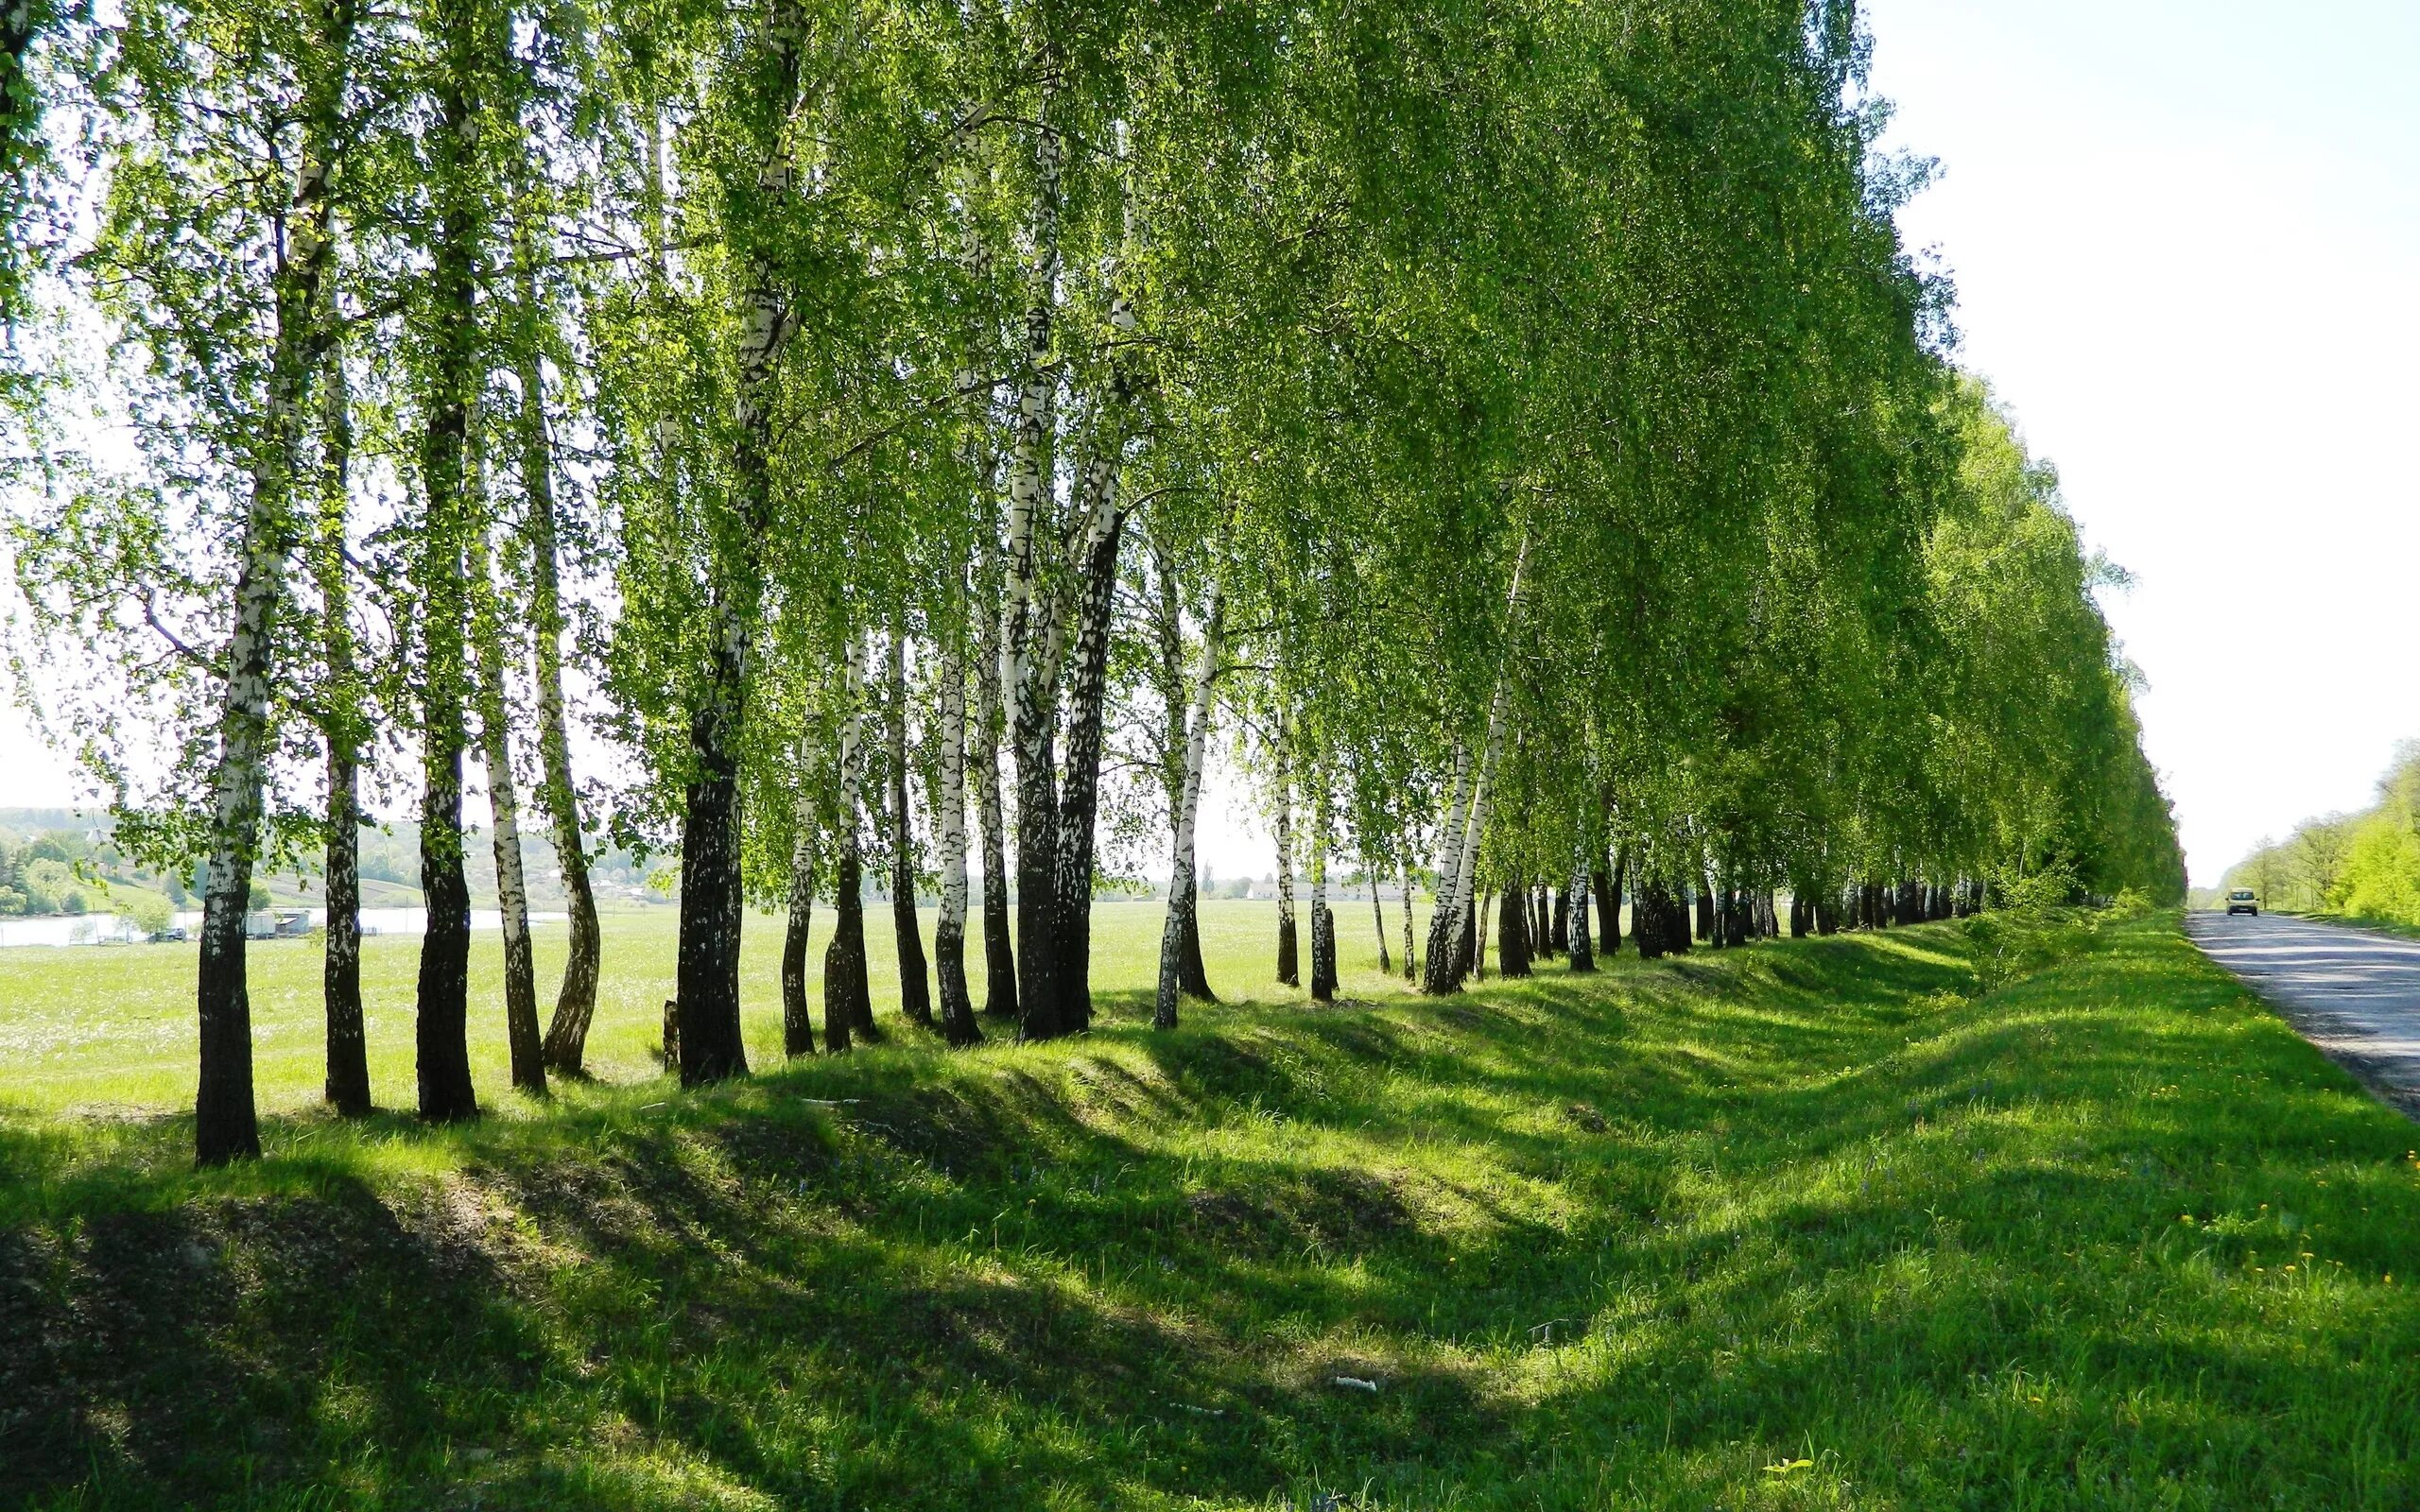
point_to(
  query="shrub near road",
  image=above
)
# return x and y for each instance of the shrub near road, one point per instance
(1799, 1225)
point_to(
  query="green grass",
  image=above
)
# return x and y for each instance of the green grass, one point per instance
(110, 1031)
(1801, 1226)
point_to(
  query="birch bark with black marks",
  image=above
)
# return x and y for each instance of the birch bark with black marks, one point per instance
(1477, 823)
(443, 987)
(847, 1005)
(1323, 918)
(1411, 967)
(712, 904)
(959, 1027)
(226, 1122)
(798, 1026)
(504, 808)
(1378, 919)
(1445, 920)
(1583, 950)
(1184, 881)
(915, 992)
(1029, 675)
(1000, 953)
(1288, 968)
(1176, 694)
(566, 1043)
(347, 1087)
(1079, 789)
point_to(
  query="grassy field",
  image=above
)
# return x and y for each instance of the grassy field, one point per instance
(110, 1031)
(1803, 1226)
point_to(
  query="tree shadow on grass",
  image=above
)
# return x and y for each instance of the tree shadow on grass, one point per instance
(1658, 1225)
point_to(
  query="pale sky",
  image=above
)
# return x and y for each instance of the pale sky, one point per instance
(2187, 240)
(2186, 235)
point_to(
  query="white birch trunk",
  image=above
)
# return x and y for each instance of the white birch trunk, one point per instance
(949, 838)
(1584, 954)
(1183, 882)
(504, 806)
(1323, 920)
(1444, 925)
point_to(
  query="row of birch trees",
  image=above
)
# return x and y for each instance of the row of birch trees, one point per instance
(830, 441)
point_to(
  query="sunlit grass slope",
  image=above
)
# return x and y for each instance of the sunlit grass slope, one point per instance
(1801, 1226)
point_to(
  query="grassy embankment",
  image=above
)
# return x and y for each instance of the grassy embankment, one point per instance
(1803, 1226)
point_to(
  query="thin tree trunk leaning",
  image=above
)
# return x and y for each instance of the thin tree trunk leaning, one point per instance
(1468, 834)
(1378, 918)
(712, 909)
(847, 1005)
(347, 1087)
(1479, 934)
(226, 1122)
(949, 833)
(566, 1043)
(444, 988)
(504, 806)
(915, 992)
(1178, 929)
(1288, 966)
(1079, 792)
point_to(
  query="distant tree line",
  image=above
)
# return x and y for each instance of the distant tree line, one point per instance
(2365, 865)
(910, 435)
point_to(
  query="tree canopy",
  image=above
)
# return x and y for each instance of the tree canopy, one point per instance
(1514, 432)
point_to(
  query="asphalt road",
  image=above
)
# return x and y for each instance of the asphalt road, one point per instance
(2354, 994)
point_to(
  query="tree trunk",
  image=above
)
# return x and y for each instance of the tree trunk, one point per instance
(1378, 922)
(1479, 934)
(915, 992)
(712, 904)
(1609, 902)
(1581, 948)
(1029, 672)
(1288, 965)
(504, 807)
(226, 1122)
(1080, 790)
(1323, 919)
(999, 955)
(1178, 931)
(798, 1026)
(347, 1088)
(847, 1005)
(949, 833)
(1464, 847)
(567, 1045)
(443, 987)
(1411, 967)
(1513, 933)
(1445, 920)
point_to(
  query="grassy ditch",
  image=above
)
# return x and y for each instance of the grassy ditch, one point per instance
(1806, 1225)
